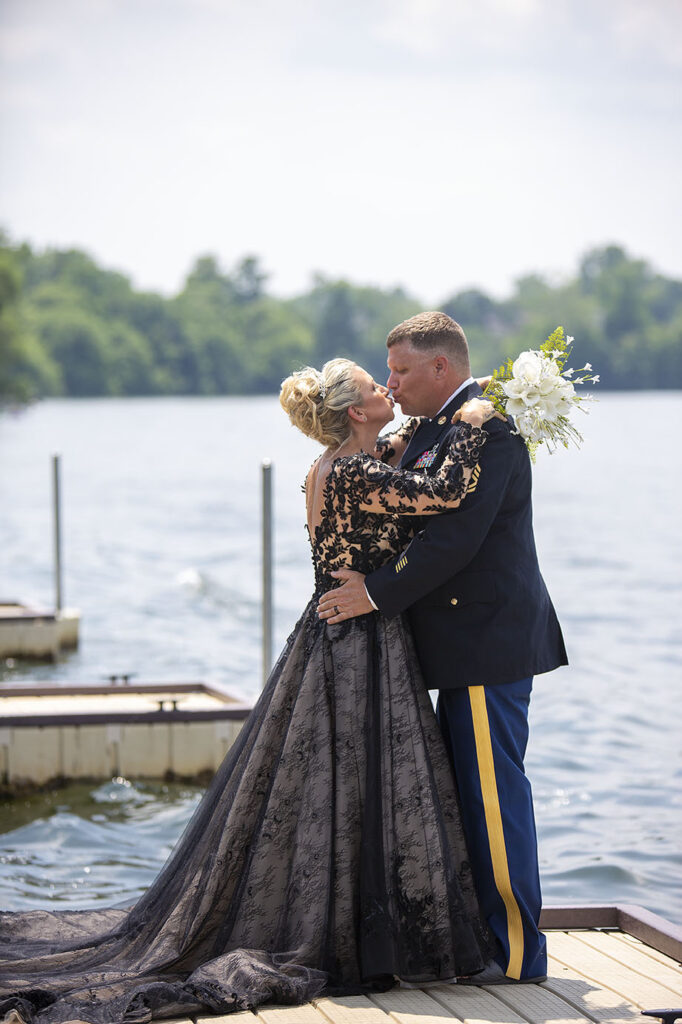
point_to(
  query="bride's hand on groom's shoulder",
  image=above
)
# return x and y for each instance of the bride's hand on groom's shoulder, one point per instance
(347, 600)
(477, 411)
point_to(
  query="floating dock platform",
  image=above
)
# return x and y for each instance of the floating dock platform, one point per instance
(28, 632)
(153, 730)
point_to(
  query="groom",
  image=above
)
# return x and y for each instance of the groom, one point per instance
(483, 625)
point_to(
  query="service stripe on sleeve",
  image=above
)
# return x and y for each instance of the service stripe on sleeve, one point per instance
(493, 821)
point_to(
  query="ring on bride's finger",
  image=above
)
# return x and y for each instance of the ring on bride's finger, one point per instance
(336, 610)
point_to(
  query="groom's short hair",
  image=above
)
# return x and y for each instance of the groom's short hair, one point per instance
(434, 332)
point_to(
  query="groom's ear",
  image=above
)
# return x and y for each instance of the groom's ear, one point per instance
(440, 367)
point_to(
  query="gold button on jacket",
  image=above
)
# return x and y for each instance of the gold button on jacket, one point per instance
(453, 600)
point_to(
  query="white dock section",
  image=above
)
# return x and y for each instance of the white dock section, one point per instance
(97, 732)
(28, 632)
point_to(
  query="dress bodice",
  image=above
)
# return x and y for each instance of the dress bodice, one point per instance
(371, 510)
(348, 536)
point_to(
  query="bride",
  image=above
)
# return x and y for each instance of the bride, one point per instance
(327, 854)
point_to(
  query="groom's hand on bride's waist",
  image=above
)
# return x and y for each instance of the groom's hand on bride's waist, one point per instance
(347, 600)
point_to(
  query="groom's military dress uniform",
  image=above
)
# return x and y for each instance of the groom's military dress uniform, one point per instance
(483, 626)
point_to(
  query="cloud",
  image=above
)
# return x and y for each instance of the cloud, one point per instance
(650, 28)
(326, 135)
(432, 27)
(618, 28)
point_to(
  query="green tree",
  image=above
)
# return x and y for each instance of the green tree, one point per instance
(249, 280)
(275, 341)
(175, 368)
(69, 326)
(131, 365)
(352, 321)
(26, 370)
(243, 341)
(208, 311)
(77, 341)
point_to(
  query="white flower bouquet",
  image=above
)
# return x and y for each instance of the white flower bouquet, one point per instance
(540, 395)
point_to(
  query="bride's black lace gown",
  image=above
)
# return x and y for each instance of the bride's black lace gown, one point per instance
(326, 855)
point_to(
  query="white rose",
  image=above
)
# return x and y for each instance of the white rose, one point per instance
(525, 423)
(516, 406)
(547, 385)
(531, 397)
(550, 368)
(530, 428)
(556, 400)
(566, 396)
(513, 388)
(528, 367)
(552, 407)
(520, 390)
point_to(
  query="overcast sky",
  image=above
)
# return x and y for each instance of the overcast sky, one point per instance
(436, 144)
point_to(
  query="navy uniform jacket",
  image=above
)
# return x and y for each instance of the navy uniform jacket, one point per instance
(470, 581)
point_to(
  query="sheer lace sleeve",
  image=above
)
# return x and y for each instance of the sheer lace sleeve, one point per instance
(379, 488)
(390, 447)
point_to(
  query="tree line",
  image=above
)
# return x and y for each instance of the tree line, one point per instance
(70, 327)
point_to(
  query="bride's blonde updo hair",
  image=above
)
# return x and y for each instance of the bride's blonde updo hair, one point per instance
(317, 401)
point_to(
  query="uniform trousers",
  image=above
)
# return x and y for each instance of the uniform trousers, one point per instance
(486, 731)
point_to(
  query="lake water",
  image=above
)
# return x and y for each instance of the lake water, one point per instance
(161, 512)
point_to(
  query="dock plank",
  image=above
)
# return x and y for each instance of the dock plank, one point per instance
(606, 943)
(604, 971)
(537, 1004)
(306, 1014)
(351, 1010)
(411, 1006)
(243, 1017)
(649, 951)
(475, 1005)
(596, 1002)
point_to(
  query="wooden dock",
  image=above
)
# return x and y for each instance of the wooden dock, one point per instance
(599, 975)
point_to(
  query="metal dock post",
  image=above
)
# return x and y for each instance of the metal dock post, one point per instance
(56, 503)
(267, 568)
